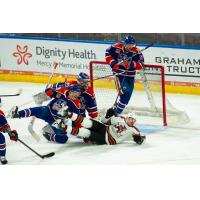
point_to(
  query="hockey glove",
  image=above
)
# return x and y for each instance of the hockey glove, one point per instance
(64, 111)
(110, 112)
(139, 139)
(13, 135)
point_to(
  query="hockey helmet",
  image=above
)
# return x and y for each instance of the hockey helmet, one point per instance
(129, 40)
(74, 88)
(83, 78)
(130, 119)
(131, 114)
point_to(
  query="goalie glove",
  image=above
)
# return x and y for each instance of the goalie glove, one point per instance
(139, 139)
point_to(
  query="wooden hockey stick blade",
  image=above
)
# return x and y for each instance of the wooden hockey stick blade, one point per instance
(48, 155)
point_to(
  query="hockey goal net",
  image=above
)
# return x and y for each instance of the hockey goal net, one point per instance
(148, 99)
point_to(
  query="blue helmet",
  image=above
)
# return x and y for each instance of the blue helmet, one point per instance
(74, 88)
(129, 40)
(83, 77)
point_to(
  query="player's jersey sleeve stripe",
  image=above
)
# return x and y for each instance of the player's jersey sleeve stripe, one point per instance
(111, 140)
(2, 147)
(74, 131)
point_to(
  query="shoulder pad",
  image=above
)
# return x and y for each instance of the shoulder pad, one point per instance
(72, 82)
(135, 50)
(90, 91)
(118, 45)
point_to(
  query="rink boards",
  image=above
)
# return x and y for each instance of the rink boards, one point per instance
(39, 77)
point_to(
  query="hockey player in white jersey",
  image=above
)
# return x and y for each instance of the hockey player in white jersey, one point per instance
(112, 130)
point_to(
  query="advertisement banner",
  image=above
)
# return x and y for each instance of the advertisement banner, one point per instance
(38, 56)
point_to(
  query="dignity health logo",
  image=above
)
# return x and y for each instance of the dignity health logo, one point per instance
(22, 54)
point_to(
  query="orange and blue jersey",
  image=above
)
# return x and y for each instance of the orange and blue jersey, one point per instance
(87, 98)
(60, 100)
(116, 53)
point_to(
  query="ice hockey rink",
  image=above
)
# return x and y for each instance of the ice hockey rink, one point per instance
(164, 145)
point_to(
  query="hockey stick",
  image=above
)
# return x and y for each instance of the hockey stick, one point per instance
(123, 62)
(32, 121)
(12, 95)
(41, 156)
(129, 59)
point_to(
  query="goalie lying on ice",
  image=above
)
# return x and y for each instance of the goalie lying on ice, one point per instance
(113, 129)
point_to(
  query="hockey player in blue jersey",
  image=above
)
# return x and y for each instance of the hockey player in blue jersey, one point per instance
(87, 96)
(50, 113)
(120, 57)
(5, 128)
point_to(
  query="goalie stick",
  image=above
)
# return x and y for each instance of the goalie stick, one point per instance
(41, 156)
(12, 95)
(32, 121)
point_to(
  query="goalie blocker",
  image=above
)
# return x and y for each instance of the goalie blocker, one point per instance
(113, 130)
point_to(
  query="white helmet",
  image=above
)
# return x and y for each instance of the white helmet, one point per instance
(131, 115)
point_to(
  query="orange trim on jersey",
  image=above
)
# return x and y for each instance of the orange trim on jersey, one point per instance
(109, 59)
(138, 65)
(135, 50)
(118, 86)
(2, 113)
(118, 45)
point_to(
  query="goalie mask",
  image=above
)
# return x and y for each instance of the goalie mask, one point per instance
(83, 80)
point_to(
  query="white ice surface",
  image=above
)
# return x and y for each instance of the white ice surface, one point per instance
(179, 145)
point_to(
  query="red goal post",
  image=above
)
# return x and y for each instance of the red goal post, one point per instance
(149, 96)
(96, 75)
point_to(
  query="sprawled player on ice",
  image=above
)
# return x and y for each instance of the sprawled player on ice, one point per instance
(50, 113)
(111, 130)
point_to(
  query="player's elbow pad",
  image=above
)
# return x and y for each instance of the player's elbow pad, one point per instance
(50, 92)
(138, 65)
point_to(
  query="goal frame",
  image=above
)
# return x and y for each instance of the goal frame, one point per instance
(162, 71)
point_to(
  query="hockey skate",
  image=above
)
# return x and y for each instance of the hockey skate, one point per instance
(3, 160)
(13, 113)
(47, 135)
